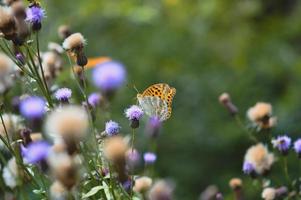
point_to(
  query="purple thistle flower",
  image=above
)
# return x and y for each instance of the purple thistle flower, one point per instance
(63, 94)
(248, 168)
(94, 99)
(109, 76)
(134, 113)
(149, 158)
(35, 14)
(32, 107)
(297, 146)
(36, 151)
(282, 143)
(127, 185)
(132, 157)
(153, 126)
(112, 128)
(20, 58)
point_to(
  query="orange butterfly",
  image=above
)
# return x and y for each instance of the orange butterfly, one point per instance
(92, 62)
(156, 100)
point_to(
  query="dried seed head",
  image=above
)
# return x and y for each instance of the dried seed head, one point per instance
(64, 169)
(142, 184)
(58, 191)
(260, 158)
(269, 193)
(64, 31)
(235, 183)
(18, 9)
(7, 24)
(10, 2)
(115, 148)
(161, 190)
(74, 42)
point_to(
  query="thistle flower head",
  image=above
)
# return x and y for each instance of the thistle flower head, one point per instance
(67, 122)
(235, 183)
(297, 146)
(269, 193)
(248, 168)
(35, 14)
(33, 107)
(64, 169)
(134, 113)
(63, 94)
(161, 190)
(64, 31)
(153, 126)
(36, 151)
(58, 191)
(132, 157)
(115, 148)
(282, 143)
(142, 184)
(261, 115)
(112, 128)
(7, 24)
(260, 158)
(74, 42)
(149, 158)
(109, 75)
(94, 99)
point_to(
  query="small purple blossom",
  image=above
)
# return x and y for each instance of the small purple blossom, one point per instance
(109, 75)
(248, 168)
(282, 143)
(32, 107)
(112, 128)
(297, 146)
(153, 126)
(35, 14)
(134, 113)
(63, 94)
(132, 157)
(94, 99)
(127, 185)
(36, 151)
(149, 158)
(20, 58)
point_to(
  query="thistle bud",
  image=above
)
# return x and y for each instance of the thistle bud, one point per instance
(225, 100)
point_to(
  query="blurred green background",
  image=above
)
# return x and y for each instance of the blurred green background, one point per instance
(249, 48)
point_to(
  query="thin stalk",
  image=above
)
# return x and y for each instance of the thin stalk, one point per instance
(285, 170)
(5, 130)
(39, 80)
(111, 187)
(132, 147)
(40, 63)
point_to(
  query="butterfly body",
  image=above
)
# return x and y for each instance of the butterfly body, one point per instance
(156, 100)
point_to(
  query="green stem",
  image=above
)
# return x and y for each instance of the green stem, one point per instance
(285, 169)
(111, 182)
(40, 64)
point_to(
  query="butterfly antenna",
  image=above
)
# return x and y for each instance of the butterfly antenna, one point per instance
(134, 86)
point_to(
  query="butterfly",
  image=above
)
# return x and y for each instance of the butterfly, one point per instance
(156, 100)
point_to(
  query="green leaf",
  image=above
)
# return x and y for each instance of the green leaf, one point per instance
(93, 191)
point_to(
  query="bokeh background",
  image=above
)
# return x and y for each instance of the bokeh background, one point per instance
(249, 48)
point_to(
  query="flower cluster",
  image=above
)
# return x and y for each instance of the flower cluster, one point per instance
(57, 139)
